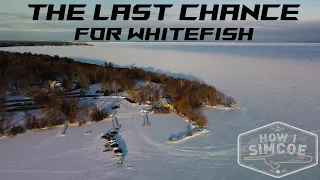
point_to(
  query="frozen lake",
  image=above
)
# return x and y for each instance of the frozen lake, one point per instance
(271, 82)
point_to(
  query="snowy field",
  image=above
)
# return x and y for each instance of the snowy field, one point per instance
(273, 82)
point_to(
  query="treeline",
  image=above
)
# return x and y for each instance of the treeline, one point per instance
(31, 73)
(40, 43)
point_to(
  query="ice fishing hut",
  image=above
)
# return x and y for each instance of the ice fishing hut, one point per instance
(120, 163)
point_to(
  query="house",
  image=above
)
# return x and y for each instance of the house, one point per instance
(148, 103)
(58, 84)
(168, 106)
(164, 103)
(52, 83)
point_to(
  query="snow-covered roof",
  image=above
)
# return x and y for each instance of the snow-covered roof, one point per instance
(165, 101)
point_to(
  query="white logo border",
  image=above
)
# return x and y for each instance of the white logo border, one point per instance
(284, 124)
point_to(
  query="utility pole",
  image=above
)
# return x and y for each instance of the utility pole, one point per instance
(113, 122)
(147, 118)
(144, 120)
(113, 118)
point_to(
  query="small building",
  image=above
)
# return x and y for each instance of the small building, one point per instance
(164, 103)
(58, 84)
(168, 106)
(52, 83)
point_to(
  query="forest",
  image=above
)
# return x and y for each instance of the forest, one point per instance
(30, 75)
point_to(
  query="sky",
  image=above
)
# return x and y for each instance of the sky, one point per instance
(16, 20)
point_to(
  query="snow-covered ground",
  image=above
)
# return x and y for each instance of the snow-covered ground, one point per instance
(91, 90)
(273, 82)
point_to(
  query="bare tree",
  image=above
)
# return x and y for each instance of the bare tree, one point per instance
(148, 77)
(181, 83)
(4, 120)
(52, 110)
(106, 86)
(83, 114)
(115, 86)
(67, 83)
(69, 107)
(83, 81)
(156, 96)
(142, 97)
(221, 98)
(202, 121)
(133, 93)
(126, 83)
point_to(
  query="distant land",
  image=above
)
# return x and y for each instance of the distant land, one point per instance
(13, 43)
(41, 43)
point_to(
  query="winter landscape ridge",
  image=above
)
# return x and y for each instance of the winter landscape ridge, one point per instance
(271, 82)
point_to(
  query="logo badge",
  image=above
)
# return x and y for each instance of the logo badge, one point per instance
(278, 149)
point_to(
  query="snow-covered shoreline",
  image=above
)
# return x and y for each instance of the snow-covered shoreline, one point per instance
(284, 87)
(196, 134)
(206, 43)
(221, 107)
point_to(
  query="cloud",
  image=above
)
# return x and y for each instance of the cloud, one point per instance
(20, 16)
(16, 29)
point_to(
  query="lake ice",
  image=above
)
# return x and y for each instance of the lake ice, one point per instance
(271, 82)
